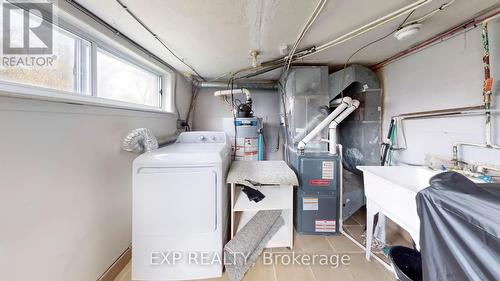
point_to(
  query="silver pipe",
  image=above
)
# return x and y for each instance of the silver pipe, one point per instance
(446, 114)
(264, 85)
(457, 145)
(488, 142)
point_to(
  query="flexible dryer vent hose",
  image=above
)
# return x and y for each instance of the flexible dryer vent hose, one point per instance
(140, 140)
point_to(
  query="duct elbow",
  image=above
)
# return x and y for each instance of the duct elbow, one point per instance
(347, 100)
(140, 140)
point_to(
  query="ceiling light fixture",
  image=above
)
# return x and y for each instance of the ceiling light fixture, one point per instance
(407, 31)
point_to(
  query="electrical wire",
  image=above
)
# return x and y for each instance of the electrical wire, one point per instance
(234, 119)
(310, 21)
(285, 120)
(366, 46)
(158, 39)
(280, 62)
(195, 90)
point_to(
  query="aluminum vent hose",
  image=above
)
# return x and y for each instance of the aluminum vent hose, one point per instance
(140, 140)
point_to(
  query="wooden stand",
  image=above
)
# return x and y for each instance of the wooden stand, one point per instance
(278, 181)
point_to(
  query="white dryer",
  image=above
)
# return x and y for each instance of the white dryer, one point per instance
(180, 208)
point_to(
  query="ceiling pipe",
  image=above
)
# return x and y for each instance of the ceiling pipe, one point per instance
(309, 23)
(432, 13)
(368, 27)
(276, 63)
(262, 85)
(447, 34)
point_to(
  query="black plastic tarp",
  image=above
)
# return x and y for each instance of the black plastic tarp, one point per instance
(459, 229)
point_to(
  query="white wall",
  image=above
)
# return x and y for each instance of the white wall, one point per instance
(211, 110)
(446, 75)
(65, 186)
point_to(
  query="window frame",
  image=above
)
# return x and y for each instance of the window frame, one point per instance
(166, 76)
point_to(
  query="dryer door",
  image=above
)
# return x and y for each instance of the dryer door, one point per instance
(169, 201)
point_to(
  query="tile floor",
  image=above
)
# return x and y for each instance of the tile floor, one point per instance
(357, 269)
(355, 226)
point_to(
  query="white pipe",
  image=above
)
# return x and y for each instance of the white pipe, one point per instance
(317, 11)
(233, 92)
(430, 14)
(370, 26)
(332, 128)
(350, 35)
(345, 103)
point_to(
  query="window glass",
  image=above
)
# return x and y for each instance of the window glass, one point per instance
(67, 69)
(124, 81)
(70, 68)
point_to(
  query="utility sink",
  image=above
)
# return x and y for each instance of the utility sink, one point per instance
(391, 190)
(410, 178)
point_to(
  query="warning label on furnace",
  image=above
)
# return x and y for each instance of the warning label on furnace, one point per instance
(325, 225)
(327, 170)
(310, 204)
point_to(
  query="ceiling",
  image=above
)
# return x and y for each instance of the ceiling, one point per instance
(216, 36)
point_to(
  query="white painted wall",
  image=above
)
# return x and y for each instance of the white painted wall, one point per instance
(446, 75)
(210, 110)
(65, 186)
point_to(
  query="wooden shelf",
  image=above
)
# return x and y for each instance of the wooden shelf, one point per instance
(278, 180)
(276, 199)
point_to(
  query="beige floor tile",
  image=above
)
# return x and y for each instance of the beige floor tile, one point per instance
(342, 244)
(363, 270)
(260, 272)
(313, 244)
(351, 221)
(125, 274)
(360, 216)
(328, 273)
(293, 272)
(358, 268)
(356, 232)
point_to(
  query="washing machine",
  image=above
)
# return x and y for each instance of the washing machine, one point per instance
(180, 208)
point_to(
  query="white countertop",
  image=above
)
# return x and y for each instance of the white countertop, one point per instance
(264, 172)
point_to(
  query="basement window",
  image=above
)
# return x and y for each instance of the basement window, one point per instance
(83, 69)
(65, 69)
(118, 79)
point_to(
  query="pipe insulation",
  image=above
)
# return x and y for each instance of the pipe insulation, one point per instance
(140, 140)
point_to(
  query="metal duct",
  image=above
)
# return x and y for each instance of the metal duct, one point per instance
(358, 76)
(360, 132)
(140, 140)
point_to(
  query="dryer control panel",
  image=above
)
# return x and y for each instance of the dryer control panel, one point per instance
(202, 137)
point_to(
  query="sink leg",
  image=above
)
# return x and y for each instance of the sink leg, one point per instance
(370, 216)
